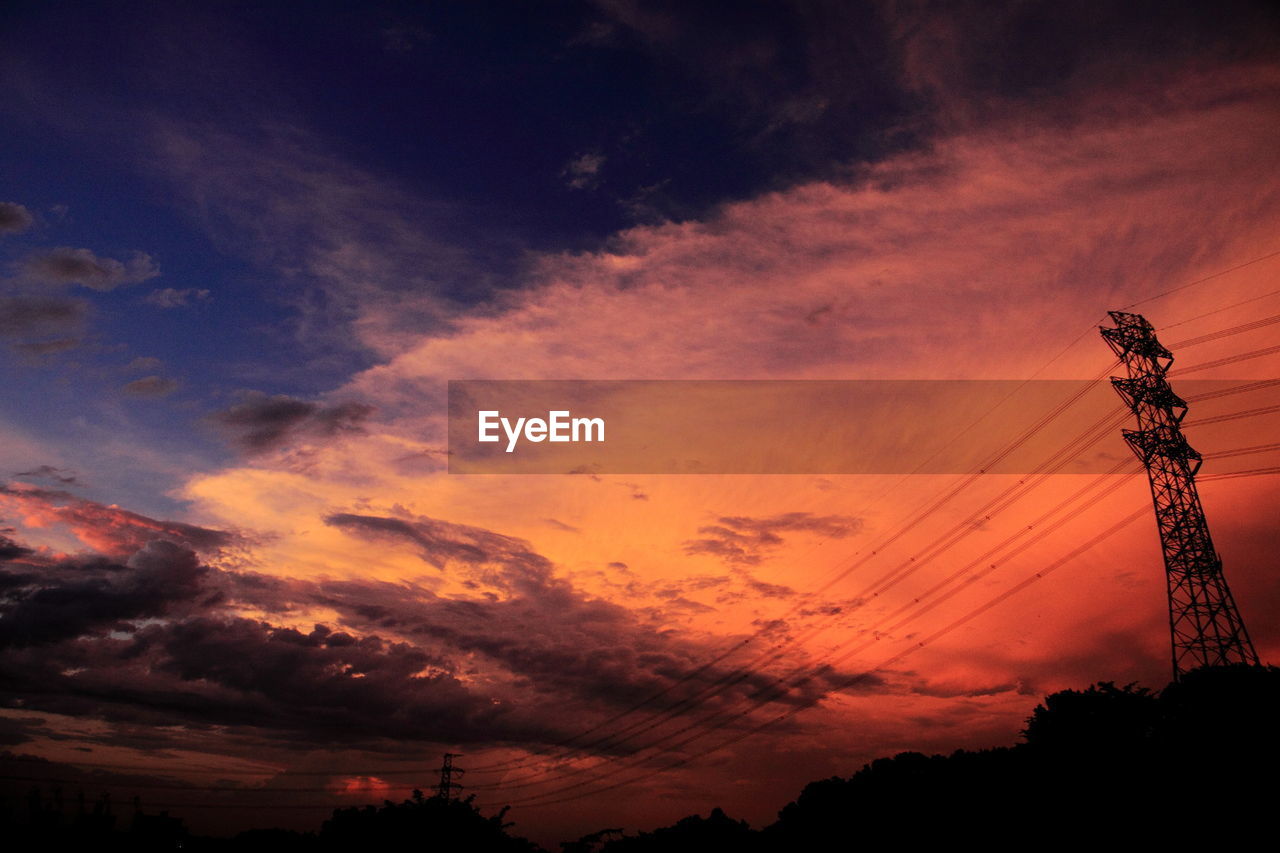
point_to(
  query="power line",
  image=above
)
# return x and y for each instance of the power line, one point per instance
(512, 765)
(1037, 576)
(1003, 596)
(1205, 627)
(932, 505)
(931, 638)
(1227, 332)
(1199, 281)
(399, 770)
(732, 678)
(827, 663)
(390, 770)
(1220, 334)
(1218, 310)
(1222, 362)
(803, 674)
(1107, 421)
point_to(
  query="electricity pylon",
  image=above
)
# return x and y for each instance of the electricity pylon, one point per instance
(1205, 626)
(447, 773)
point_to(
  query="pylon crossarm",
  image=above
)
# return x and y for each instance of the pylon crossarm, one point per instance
(1205, 627)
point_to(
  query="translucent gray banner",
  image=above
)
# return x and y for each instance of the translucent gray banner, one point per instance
(797, 427)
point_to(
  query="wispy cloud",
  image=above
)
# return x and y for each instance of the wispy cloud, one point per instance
(358, 252)
(60, 475)
(169, 297)
(108, 529)
(30, 315)
(747, 541)
(49, 347)
(259, 422)
(151, 386)
(14, 218)
(583, 171)
(65, 265)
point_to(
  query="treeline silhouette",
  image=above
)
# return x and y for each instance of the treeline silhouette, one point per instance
(1103, 766)
(419, 823)
(1100, 767)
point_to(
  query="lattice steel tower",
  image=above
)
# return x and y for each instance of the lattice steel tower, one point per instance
(447, 787)
(1206, 627)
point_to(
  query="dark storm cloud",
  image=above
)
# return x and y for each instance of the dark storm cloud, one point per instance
(159, 638)
(14, 218)
(149, 639)
(324, 682)
(11, 550)
(543, 629)
(65, 265)
(319, 686)
(312, 687)
(557, 642)
(547, 631)
(746, 541)
(68, 599)
(144, 641)
(259, 422)
(26, 315)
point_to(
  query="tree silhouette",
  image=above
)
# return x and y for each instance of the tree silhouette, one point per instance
(1102, 766)
(421, 823)
(1101, 718)
(694, 834)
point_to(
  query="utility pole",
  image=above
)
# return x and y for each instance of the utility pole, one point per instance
(448, 772)
(1204, 624)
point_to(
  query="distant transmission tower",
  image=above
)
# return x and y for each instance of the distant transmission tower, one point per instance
(1206, 627)
(448, 772)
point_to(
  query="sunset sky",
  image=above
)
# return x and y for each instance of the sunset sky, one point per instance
(245, 246)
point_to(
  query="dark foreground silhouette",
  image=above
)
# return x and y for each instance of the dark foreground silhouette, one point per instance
(1108, 765)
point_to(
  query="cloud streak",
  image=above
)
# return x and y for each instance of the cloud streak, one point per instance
(747, 541)
(14, 218)
(33, 315)
(259, 422)
(66, 265)
(170, 297)
(151, 386)
(108, 529)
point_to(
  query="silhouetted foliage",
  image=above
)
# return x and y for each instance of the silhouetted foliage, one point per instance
(52, 821)
(274, 840)
(931, 799)
(591, 842)
(1102, 766)
(1106, 765)
(1101, 718)
(694, 834)
(424, 823)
